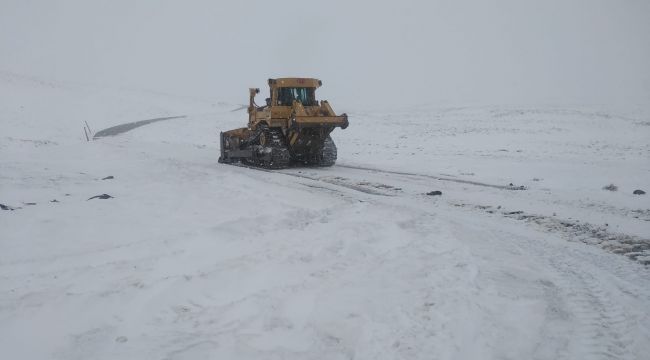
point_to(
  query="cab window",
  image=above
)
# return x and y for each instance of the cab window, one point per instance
(306, 96)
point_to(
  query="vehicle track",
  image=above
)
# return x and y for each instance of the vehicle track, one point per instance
(332, 181)
(602, 326)
(585, 315)
(435, 177)
(580, 295)
(415, 184)
(364, 186)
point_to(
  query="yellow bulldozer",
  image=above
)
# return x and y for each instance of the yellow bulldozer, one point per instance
(291, 128)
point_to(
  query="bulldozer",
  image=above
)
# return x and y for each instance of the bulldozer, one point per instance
(292, 128)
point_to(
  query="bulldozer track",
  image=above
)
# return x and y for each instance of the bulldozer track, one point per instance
(331, 181)
(434, 177)
(364, 186)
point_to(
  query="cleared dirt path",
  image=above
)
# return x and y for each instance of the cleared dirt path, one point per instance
(122, 128)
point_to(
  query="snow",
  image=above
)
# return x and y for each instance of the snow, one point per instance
(194, 259)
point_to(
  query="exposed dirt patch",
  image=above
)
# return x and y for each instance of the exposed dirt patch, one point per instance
(120, 129)
(635, 248)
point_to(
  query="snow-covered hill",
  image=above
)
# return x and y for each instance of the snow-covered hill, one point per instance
(192, 259)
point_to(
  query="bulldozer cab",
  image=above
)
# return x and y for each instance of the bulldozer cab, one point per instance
(287, 90)
(303, 95)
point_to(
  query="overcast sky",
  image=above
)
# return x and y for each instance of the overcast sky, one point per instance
(366, 52)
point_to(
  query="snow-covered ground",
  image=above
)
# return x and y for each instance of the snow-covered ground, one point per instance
(192, 259)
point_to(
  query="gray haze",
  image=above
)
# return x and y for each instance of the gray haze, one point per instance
(367, 52)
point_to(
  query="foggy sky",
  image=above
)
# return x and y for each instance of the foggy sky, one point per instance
(368, 53)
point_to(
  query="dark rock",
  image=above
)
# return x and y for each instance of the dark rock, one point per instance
(434, 193)
(5, 207)
(514, 212)
(512, 186)
(109, 177)
(611, 187)
(29, 203)
(638, 192)
(54, 201)
(102, 196)
(121, 339)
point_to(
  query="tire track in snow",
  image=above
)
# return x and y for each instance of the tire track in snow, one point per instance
(630, 246)
(602, 328)
(585, 320)
(335, 180)
(328, 180)
(434, 177)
